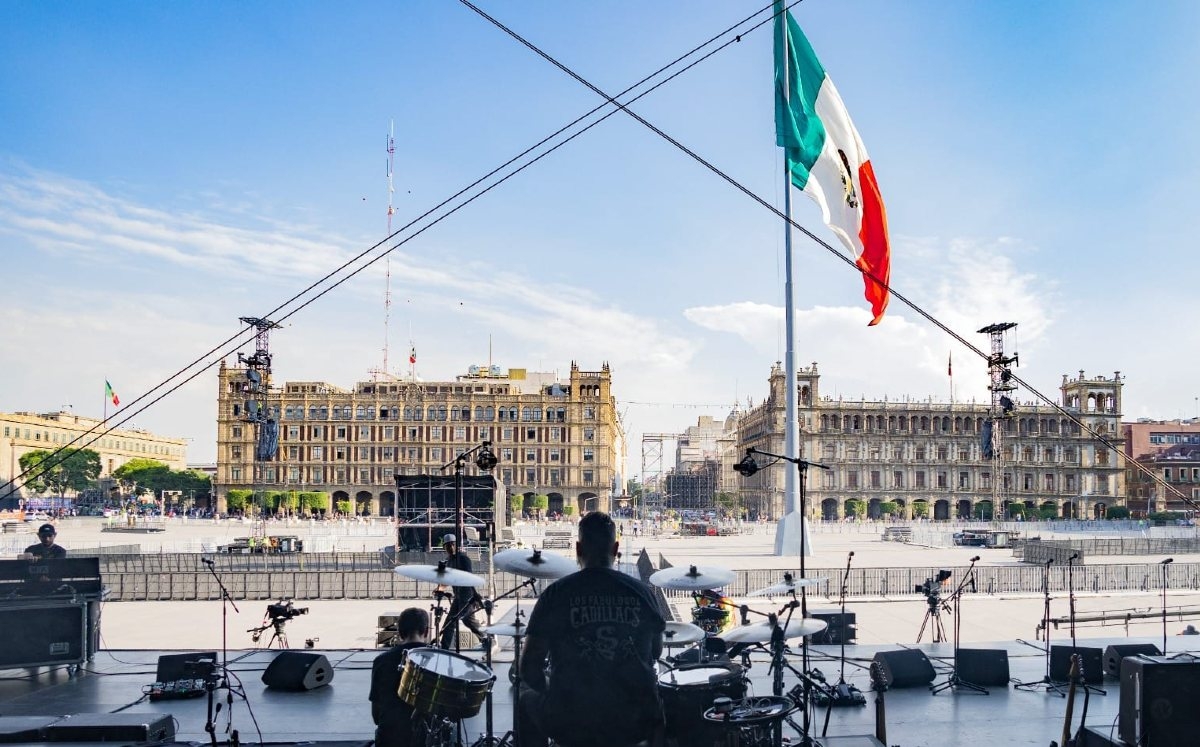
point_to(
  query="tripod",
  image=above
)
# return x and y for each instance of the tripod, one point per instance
(934, 615)
(278, 638)
(1045, 681)
(954, 682)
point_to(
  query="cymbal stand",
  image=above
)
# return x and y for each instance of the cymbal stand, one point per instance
(509, 738)
(1045, 630)
(954, 682)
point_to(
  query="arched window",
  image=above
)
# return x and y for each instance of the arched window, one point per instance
(479, 413)
(489, 414)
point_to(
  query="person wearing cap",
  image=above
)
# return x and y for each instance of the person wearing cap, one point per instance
(466, 599)
(45, 549)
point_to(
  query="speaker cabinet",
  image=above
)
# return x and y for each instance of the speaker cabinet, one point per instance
(1158, 701)
(40, 634)
(839, 628)
(905, 668)
(987, 667)
(1091, 659)
(113, 727)
(16, 729)
(296, 670)
(1115, 653)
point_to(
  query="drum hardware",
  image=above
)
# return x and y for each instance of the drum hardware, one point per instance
(517, 631)
(444, 686)
(688, 690)
(841, 694)
(751, 722)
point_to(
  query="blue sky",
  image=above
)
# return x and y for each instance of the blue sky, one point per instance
(165, 169)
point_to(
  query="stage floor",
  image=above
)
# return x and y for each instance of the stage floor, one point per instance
(116, 679)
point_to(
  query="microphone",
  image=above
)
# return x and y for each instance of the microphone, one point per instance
(852, 553)
(975, 559)
(1048, 562)
(1168, 560)
(745, 610)
(207, 562)
(1074, 557)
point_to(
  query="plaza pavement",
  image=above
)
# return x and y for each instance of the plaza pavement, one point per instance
(351, 623)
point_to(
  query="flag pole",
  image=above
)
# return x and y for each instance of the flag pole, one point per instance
(790, 533)
(105, 421)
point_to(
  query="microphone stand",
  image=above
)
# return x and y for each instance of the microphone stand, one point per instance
(1164, 565)
(1071, 610)
(954, 682)
(1045, 681)
(210, 685)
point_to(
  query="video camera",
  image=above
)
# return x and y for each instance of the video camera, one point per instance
(932, 588)
(284, 610)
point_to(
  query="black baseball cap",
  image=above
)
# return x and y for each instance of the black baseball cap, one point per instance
(46, 529)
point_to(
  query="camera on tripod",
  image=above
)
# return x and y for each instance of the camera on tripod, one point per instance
(932, 588)
(284, 610)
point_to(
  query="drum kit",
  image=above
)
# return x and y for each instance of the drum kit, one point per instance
(706, 702)
(705, 699)
(446, 688)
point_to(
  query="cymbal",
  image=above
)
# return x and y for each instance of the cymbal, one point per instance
(787, 586)
(440, 574)
(682, 634)
(760, 632)
(511, 630)
(693, 577)
(534, 563)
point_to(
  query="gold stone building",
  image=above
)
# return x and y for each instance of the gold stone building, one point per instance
(925, 452)
(552, 437)
(22, 432)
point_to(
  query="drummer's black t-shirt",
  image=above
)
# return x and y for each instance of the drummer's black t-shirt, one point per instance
(601, 627)
(393, 717)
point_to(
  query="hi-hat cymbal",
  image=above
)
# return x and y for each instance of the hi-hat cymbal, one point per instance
(682, 634)
(440, 574)
(760, 632)
(515, 630)
(693, 577)
(787, 586)
(534, 563)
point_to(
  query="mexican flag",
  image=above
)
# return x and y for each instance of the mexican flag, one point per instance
(110, 394)
(826, 158)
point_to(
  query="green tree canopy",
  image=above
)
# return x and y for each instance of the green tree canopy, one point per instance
(152, 476)
(235, 500)
(516, 502)
(58, 472)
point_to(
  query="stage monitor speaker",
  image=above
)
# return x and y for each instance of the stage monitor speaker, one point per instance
(1115, 653)
(908, 667)
(1091, 659)
(1158, 701)
(113, 727)
(296, 670)
(15, 729)
(42, 635)
(1098, 737)
(987, 667)
(838, 628)
(193, 666)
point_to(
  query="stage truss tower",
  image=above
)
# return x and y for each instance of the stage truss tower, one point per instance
(1000, 384)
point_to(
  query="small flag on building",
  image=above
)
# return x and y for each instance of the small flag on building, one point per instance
(412, 357)
(110, 394)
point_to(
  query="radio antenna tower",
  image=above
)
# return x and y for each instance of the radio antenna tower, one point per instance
(387, 261)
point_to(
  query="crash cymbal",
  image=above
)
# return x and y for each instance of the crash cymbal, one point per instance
(787, 586)
(440, 574)
(682, 634)
(760, 632)
(534, 563)
(693, 577)
(515, 630)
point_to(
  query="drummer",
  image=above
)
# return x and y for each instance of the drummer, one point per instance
(602, 632)
(466, 600)
(394, 722)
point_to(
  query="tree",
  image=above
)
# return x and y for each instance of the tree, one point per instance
(1117, 512)
(516, 503)
(235, 500)
(58, 472)
(568, 509)
(1016, 509)
(727, 502)
(540, 503)
(888, 508)
(855, 507)
(920, 509)
(345, 507)
(140, 476)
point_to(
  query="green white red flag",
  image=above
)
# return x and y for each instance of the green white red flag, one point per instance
(110, 394)
(827, 159)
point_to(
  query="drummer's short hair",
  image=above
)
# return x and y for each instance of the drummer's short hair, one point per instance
(597, 533)
(412, 621)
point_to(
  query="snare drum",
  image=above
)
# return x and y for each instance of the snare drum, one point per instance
(687, 692)
(444, 684)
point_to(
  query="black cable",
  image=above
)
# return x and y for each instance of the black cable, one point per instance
(816, 239)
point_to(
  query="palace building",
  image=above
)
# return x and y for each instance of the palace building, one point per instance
(926, 457)
(553, 437)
